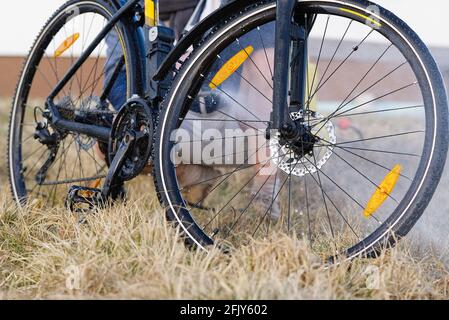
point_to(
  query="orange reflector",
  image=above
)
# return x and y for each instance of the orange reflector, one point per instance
(93, 185)
(383, 191)
(230, 67)
(66, 44)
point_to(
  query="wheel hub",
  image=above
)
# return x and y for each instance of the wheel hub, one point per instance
(299, 139)
(308, 149)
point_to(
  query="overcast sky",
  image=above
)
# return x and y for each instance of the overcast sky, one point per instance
(21, 20)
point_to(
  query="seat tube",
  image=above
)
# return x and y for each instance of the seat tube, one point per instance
(151, 13)
(284, 15)
(159, 42)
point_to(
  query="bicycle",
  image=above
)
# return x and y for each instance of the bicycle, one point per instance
(240, 69)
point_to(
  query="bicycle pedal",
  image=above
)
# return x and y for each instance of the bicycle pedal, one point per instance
(82, 199)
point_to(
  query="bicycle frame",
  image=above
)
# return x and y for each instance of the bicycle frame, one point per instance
(289, 76)
(137, 89)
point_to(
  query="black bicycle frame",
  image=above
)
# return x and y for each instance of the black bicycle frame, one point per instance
(291, 63)
(289, 74)
(94, 131)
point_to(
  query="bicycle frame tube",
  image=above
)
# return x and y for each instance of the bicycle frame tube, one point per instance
(299, 63)
(159, 42)
(288, 79)
(94, 131)
(85, 55)
(289, 75)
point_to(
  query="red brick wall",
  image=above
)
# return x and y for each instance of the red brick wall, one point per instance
(10, 68)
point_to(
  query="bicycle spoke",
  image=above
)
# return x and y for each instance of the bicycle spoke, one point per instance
(321, 84)
(347, 115)
(233, 99)
(377, 151)
(257, 67)
(333, 55)
(373, 162)
(265, 52)
(270, 208)
(248, 82)
(272, 200)
(233, 118)
(342, 105)
(323, 193)
(357, 202)
(309, 222)
(249, 205)
(363, 175)
(318, 62)
(235, 195)
(333, 203)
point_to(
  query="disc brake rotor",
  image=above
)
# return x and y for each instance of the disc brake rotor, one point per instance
(288, 161)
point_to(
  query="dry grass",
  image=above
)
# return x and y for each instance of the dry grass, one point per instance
(130, 252)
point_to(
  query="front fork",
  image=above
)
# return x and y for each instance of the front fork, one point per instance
(291, 66)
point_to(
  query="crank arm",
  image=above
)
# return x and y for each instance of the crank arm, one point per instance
(116, 165)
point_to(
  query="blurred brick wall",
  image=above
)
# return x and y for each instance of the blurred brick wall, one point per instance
(9, 74)
(11, 67)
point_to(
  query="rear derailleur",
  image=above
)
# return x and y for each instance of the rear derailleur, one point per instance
(129, 152)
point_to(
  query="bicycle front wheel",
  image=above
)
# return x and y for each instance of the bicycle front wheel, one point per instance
(376, 119)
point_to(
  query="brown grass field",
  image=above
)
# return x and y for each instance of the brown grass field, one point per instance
(130, 252)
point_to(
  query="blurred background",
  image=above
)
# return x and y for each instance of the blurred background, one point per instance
(21, 20)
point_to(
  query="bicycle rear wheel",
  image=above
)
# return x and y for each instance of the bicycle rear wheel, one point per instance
(44, 162)
(376, 109)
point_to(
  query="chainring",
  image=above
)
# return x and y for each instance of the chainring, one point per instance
(135, 116)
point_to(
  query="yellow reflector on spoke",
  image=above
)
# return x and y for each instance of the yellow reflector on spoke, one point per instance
(230, 67)
(368, 19)
(383, 191)
(66, 44)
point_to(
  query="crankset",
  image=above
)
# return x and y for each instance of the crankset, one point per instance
(134, 123)
(129, 152)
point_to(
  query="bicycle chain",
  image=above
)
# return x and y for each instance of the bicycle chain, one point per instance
(71, 181)
(94, 112)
